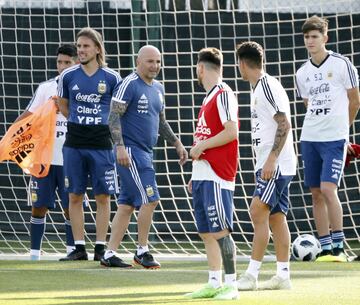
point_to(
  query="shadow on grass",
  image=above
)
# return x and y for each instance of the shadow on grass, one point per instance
(126, 298)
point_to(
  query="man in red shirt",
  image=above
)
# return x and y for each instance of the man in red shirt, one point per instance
(215, 155)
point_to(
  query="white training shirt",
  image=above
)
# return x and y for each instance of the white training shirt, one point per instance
(228, 111)
(46, 90)
(267, 98)
(325, 86)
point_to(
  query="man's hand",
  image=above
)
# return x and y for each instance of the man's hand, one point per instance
(197, 150)
(189, 186)
(55, 99)
(122, 156)
(268, 170)
(350, 150)
(182, 153)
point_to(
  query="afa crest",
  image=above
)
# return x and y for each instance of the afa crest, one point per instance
(34, 197)
(149, 191)
(101, 87)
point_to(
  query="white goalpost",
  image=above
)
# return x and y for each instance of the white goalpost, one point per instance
(32, 30)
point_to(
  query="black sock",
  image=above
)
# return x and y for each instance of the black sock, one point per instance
(80, 248)
(99, 248)
(228, 254)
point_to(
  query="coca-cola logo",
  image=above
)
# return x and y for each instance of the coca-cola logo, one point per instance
(21, 139)
(325, 87)
(88, 98)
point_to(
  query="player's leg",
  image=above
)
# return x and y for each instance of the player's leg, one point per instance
(42, 198)
(37, 230)
(260, 218)
(212, 248)
(64, 196)
(281, 235)
(102, 224)
(265, 198)
(142, 192)
(144, 221)
(70, 243)
(228, 254)
(129, 193)
(333, 154)
(225, 208)
(75, 182)
(119, 226)
(313, 164)
(214, 222)
(104, 183)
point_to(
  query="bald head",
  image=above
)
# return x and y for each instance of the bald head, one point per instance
(148, 63)
(147, 50)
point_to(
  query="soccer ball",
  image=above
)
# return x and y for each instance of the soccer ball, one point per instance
(305, 248)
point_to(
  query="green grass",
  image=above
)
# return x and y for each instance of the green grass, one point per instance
(51, 282)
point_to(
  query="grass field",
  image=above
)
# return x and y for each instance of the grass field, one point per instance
(52, 282)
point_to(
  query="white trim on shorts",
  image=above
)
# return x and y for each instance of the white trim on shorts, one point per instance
(136, 177)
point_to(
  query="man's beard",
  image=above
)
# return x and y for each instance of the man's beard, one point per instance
(200, 83)
(84, 62)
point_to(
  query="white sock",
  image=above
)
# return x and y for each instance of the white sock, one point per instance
(79, 242)
(109, 253)
(99, 242)
(283, 270)
(230, 279)
(215, 278)
(254, 268)
(142, 249)
(69, 249)
(35, 254)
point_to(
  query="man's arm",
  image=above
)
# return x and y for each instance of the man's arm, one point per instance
(305, 102)
(354, 103)
(116, 112)
(283, 128)
(230, 133)
(63, 105)
(167, 133)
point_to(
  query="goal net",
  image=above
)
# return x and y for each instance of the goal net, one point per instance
(32, 30)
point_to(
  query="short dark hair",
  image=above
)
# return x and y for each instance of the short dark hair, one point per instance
(251, 52)
(211, 56)
(315, 23)
(67, 49)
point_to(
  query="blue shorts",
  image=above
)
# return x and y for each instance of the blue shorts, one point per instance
(213, 207)
(274, 192)
(81, 163)
(323, 162)
(137, 183)
(43, 190)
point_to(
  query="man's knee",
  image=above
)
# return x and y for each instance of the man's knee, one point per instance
(259, 211)
(39, 212)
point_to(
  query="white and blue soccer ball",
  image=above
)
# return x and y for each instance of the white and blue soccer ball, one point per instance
(305, 248)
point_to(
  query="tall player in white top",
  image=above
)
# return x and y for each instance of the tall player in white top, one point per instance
(328, 84)
(275, 167)
(42, 190)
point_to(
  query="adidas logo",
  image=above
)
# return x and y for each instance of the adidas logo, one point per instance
(215, 225)
(76, 87)
(143, 99)
(111, 188)
(335, 176)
